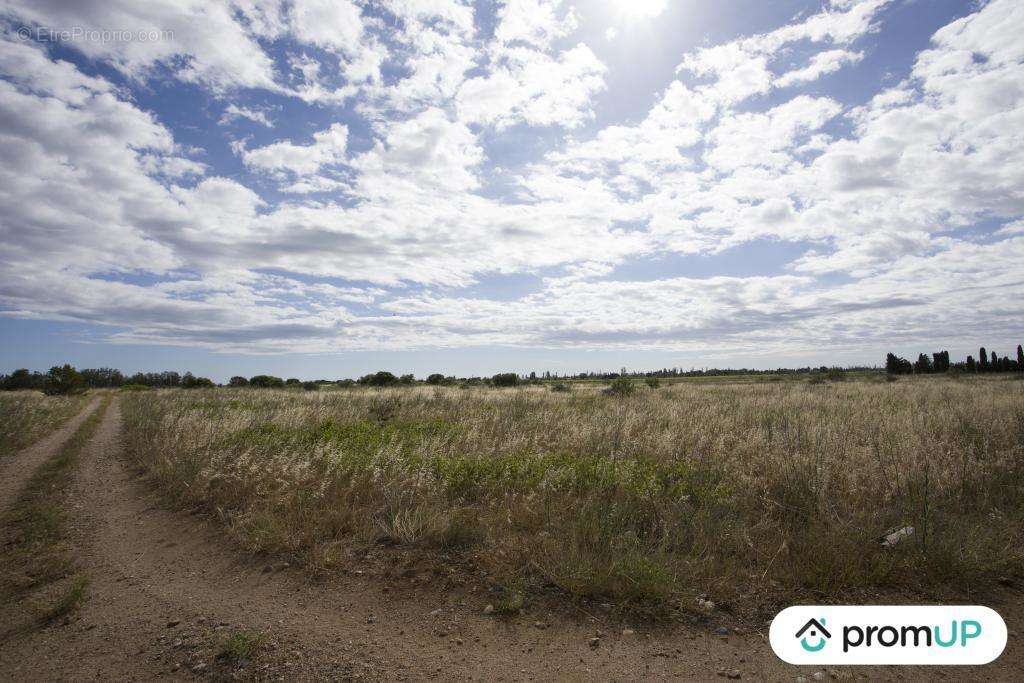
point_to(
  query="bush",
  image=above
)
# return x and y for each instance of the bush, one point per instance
(237, 381)
(561, 387)
(621, 386)
(310, 386)
(505, 379)
(379, 379)
(63, 380)
(23, 379)
(346, 383)
(653, 382)
(292, 382)
(190, 381)
(836, 375)
(266, 382)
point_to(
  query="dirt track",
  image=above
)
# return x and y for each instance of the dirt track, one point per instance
(167, 588)
(16, 470)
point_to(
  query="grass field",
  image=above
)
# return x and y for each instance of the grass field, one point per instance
(27, 416)
(754, 493)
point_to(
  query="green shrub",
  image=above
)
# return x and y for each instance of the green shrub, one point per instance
(63, 380)
(620, 386)
(505, 379)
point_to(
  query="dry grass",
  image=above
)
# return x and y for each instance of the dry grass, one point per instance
(27, 416)
(753, 492)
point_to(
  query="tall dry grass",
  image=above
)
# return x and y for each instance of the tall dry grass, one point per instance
(751, 492)
(27, 416)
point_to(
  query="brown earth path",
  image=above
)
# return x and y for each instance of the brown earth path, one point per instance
(17, 469)
(167, 587)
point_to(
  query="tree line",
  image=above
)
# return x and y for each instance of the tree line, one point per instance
(938, 362)
(67, 379)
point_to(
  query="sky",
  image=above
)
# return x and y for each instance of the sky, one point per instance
(324, 188)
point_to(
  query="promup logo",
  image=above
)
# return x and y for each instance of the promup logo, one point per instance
(888, 635)
(817, 630)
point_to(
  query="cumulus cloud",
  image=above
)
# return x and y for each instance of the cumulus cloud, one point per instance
(419, 149)
(328, 148)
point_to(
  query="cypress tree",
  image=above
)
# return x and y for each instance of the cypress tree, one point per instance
(982, 360)
(995, 362)
(970, 364)
(1020, 359)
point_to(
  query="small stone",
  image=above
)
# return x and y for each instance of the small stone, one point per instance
(734, 674)
(594, 642)
(371, 619)
(628, 632)
(268, 569)
(801, 679)
(489, 609)
(721, 631)
(173, 622)
(818, 675)
(458, 641)
(198, 667)
(539, 624)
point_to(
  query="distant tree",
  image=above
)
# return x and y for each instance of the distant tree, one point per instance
(310, 386)
(345, 383)
(266, 382)
(505, 379)
(63, 380)
(995, 362)
(238, 381)
(292, 382)
(435, 378)
(23, 379)
(940, 361)
(190, 381)
(1020, 359)
(407, 380)
(923, 364)
(982, 360)
(895, 365)
(102, 377)
(971, 367)
(379, 379)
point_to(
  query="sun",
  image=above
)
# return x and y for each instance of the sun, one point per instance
(640, 9)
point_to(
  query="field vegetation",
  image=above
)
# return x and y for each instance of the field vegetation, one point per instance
(27, 416)
(752, 493)
(39, 564)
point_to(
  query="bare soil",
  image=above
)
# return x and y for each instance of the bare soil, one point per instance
(16, 470)
(167, 589)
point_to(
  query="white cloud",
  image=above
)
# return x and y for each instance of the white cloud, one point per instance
(399, 191)
(233, 112)
(535, 22)
(328, 148)
(533, 88)
(821, 64)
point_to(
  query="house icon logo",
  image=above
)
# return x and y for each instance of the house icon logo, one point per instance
(814, 629)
